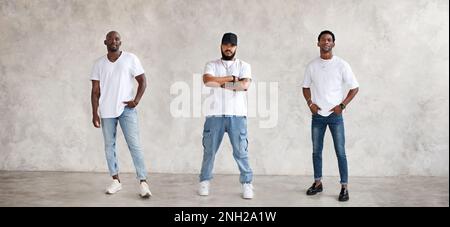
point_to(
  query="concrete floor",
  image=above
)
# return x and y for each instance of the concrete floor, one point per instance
(87, 189)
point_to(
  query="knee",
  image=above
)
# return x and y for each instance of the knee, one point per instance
(317, 150)
(110, 144)
(340, 153)
(134, 148)
(240, 153)
(317, 154)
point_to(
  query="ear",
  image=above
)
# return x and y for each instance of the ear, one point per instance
(104, 42)
(318, 44)
(333, 44)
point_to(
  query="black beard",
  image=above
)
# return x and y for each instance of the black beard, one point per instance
(228, 58)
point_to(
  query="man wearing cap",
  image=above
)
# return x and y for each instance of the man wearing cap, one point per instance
(229, 79)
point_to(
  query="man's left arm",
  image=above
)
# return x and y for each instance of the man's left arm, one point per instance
(242, 81)
(142, 81)
(240, 85)
(352, 83)
(351, 94)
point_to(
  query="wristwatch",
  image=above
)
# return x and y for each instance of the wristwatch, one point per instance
(342, 105)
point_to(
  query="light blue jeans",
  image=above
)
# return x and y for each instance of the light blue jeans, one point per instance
(214, 129)
(129, 123)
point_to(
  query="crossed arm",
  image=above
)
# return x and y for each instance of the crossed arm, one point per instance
(227, 82)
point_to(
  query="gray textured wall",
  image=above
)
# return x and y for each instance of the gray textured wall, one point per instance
(397, 125)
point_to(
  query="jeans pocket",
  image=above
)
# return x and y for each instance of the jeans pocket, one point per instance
(207, 140)
(129, 109)
(243, 141)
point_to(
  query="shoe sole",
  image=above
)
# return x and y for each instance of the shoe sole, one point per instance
(111, 193)
(146, 196)
(315, 193)
(203, 194)
(248, 197)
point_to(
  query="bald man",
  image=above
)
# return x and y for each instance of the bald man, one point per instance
(113, 102)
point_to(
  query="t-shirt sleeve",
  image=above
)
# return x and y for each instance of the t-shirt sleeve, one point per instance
(95, 74)
(349, 78)
(246, 71)
(307, 78)
(136, 67)
(209, 69)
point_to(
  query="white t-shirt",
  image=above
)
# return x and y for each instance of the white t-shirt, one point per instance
(223, 101)
(328, 80)
(116, 82)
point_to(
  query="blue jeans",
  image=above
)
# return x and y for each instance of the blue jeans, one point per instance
(318, 127)
(214, 129)
(129, 124)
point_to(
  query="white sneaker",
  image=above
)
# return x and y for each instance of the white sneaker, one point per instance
(203, 189)
(114, 187)
(247, 191)
(144, 190)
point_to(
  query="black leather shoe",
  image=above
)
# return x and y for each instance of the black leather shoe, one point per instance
(343, 196)
(314, 190)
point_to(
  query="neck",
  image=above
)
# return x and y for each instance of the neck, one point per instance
(114, 53)
(326, 55)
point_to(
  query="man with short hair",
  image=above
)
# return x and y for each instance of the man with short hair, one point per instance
(327, 77)
(112, 100)
(229, 78)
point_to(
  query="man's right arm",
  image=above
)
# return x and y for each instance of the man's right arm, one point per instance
(312, 106)
(214, 81)
(95, 96)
